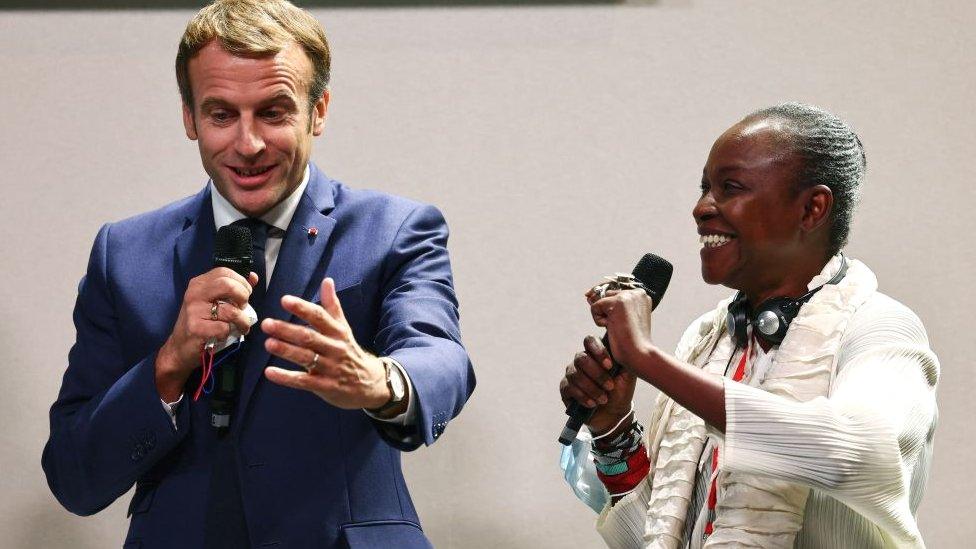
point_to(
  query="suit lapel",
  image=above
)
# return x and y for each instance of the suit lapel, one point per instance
(298, 271)
(194, 246)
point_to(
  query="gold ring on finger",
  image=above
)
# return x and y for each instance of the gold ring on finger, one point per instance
(313, 364)
(213, 310)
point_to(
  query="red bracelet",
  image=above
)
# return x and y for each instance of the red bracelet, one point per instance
(638, 466)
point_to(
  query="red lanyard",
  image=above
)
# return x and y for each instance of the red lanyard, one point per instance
(740, 372)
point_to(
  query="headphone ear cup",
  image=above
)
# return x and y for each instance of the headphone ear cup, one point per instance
(772, 319)
(738, 320)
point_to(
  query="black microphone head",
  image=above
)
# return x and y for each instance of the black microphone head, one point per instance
(232, 249)
(654, 272)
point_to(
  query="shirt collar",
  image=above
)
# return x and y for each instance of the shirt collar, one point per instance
(279, 216)
(830, 269)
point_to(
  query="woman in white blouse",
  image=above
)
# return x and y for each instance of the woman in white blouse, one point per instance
(818, 434)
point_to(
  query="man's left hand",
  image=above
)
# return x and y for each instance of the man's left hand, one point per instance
(338, 370)
(626, 314)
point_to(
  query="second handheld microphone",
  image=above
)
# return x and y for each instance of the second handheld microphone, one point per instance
(652, 274)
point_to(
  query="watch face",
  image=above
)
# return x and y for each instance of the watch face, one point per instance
(396, 384)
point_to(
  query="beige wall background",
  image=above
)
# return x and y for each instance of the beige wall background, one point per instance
(562, 143)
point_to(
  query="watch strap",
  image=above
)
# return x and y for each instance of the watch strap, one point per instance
(392, 369)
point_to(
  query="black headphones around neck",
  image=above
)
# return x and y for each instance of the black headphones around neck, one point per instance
(773, 317)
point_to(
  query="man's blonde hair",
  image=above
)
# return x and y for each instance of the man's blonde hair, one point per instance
(254, 28)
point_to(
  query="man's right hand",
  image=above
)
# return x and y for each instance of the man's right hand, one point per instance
(180, 355)
(587, 381)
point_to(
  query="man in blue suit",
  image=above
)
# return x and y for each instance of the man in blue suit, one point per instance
(359, 325)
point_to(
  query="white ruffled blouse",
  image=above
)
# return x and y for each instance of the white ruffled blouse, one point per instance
(846, 468)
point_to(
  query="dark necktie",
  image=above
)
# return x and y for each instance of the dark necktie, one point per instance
(226, 526)
(259, 241)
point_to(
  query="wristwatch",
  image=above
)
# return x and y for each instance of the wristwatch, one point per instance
(396, 383)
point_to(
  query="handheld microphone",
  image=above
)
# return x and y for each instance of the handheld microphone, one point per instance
(232, 249)
(652, 274)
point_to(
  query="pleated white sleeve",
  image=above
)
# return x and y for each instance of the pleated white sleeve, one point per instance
(865, 445)
(622, 525)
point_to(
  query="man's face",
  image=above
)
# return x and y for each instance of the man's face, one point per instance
(252, 120)
(749, 213)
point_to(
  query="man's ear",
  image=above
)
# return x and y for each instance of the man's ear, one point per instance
(189, 124)
(319, 111)
(818, 201)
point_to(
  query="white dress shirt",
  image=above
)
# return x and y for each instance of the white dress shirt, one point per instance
(279, 217)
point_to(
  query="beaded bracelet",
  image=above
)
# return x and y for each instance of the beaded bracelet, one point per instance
(637, 467)
(613, 458)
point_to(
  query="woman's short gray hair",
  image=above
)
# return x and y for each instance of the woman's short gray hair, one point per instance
(832, 155)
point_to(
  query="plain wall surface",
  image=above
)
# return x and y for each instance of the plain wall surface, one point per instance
(561, 143)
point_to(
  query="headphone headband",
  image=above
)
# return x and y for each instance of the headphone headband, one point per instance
(841, 273)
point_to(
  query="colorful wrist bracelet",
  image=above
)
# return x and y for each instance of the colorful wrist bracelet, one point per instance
(638, 466)
(611, 458)
(612, 468)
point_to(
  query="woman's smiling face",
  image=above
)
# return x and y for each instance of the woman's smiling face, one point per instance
(750, 211)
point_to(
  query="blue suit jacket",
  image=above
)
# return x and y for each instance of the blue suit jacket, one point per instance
(312, 475)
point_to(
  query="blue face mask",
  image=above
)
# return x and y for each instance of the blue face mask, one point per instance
(580, 473)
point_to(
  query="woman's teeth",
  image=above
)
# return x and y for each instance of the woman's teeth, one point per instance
(714, 240)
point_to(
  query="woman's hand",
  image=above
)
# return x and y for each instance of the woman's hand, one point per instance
(587, 380)
(626, 314)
